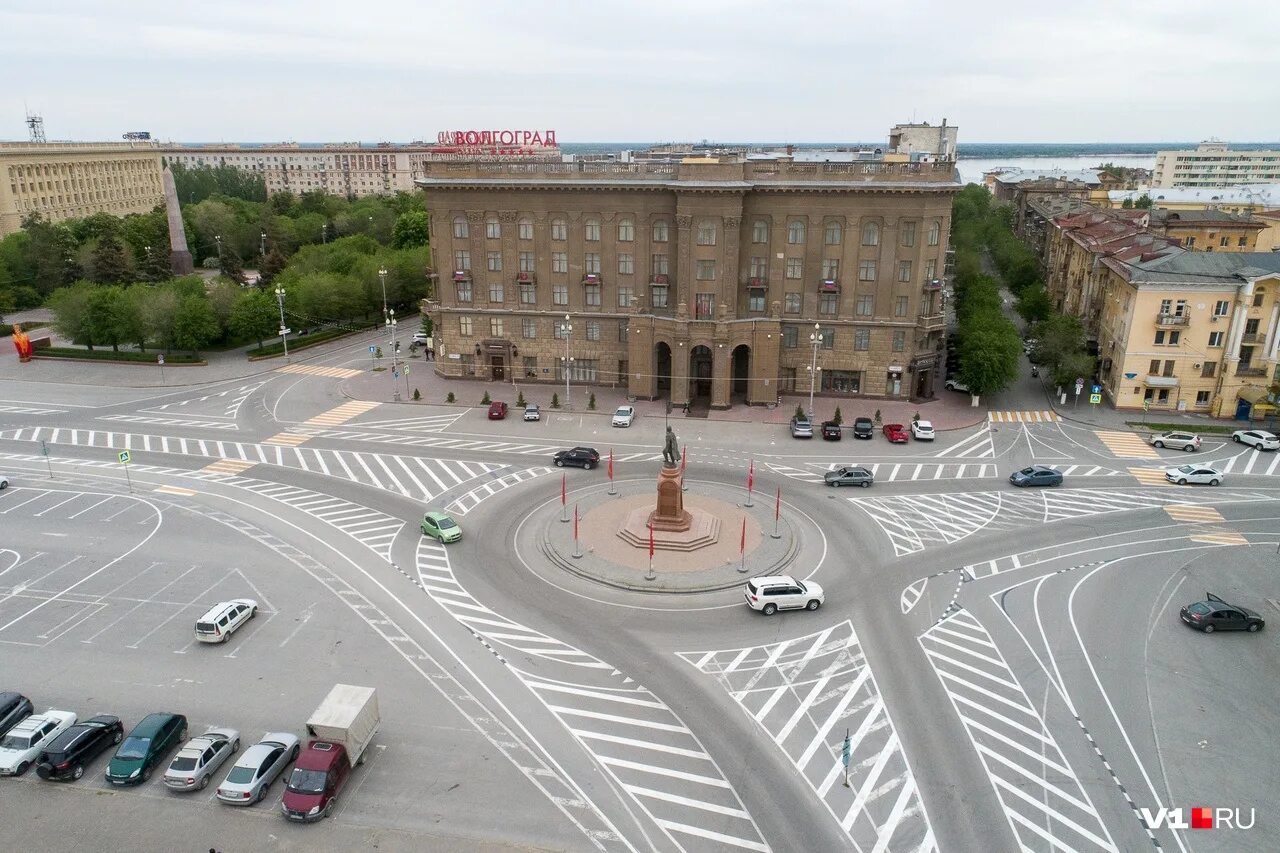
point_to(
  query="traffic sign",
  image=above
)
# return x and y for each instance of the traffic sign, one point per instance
(1079, 385)
(1079, 380)
(406, 370)
(372, 349)
(1146, 405)
(160, 359)
(124, 457)
(1097, 389)
(1095, 398)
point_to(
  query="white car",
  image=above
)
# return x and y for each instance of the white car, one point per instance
(1184, 474)
(624, 415)
(771, 593)
(223, 619)
(421, 339)
(922, 431)
(532, 412)
(1256, 438)
(198, 759)
(22, 744)
(955, 385)
(4, 482)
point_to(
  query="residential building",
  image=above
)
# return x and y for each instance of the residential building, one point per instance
(1213, 164)
(1020, 187)
(1237, 199)
(700, 280)
(64, 180)
(1208, 230)
(1268, 237)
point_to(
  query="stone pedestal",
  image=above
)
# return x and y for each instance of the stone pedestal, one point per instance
(670, 514)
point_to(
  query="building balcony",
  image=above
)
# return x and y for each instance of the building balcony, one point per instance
(1172, 319)
(1156, 381)
(592, 278)
(828, 285)
(659, 280)
(933, 284)
(1246, 370)
(757, 283)
(526, 278)
(1251, 338)
(932, 322)
(462, 275)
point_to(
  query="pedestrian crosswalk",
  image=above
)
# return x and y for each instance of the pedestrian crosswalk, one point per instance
(195, 423)
(1026, 417)
(466, 444)
(472, 499)
(806, 693)
(1249, 462)
(1150, 476)
(31, 410)
(426, 423)
(1126, 445)
(890, 472)
(1044, 802)
(976, 446)
(228, 466)
(1205, 516)
(342, 414)
(637, 739)
(288, 439)
(317, 370)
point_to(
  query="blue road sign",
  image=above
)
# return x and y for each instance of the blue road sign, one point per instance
(1097, 389)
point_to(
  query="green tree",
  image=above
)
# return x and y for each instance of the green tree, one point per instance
(94, 227)
(131, 326)
(223, 296)
(272, 265)
(1127, 204)
(154, 265)
(231, 265)
(1144, 202)
(159, 308)
(254, 316)
(110, 263)
(72, 313)
(411, 229)
(1033, 304)
(194, 326)
(104, 319)
(51, 254)
(989, 354)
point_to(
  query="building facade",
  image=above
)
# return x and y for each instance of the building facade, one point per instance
(71, 180)
(701, 280)
(1213, 164)
(1209, 230)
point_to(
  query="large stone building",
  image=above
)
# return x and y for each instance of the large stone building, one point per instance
(1212, 164)
(66, 180)
(701, 279)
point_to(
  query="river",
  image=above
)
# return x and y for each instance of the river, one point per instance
(972, 169)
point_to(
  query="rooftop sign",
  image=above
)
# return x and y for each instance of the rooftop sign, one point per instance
(496, 141)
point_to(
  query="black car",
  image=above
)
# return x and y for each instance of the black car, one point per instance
(14, 708)
(1214, 614)
(65, 757)
(830, 431)
(863, 428)
(586, 457)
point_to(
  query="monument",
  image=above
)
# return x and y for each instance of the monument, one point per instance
(670, 514)
(179, 257)
(672, 527)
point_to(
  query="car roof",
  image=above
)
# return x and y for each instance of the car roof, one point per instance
(587, 449)
(151, 723)
(923, 423)
(435, 516)
(253, 756)
(35, 721)
(530, 406)
(773, 579)
(214, 611)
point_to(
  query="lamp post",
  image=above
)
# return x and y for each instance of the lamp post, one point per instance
(816, 340)
(566, 329)
(391, 325)
(284, 330)
(324, 234)
(382, 277)
(262, 245)
(217, 238)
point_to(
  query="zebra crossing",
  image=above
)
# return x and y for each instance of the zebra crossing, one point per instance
(1250, 462)
(1032, 417)
(341, 414)
(1150, 476)
(637, 740)
(889, 472)
(470, 445)
(472, 499)
(806, 694)
(161, 421)
(426, 424)
(31, 410)
(979, 445)
(1205, 516)
(1126, 445)
(317, 370)
(1046, 806)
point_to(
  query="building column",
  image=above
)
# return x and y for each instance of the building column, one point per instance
(684, 281)
(721, 374)
(641, 363)
(1271, 349)
(763, 383)
(680, 350)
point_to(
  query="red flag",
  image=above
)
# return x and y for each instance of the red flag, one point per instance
(777, 506)
(651, 540)
(684, 457)
(575, 522)
(610, 463)
(564, 493)
(742, 548)
(751, 477)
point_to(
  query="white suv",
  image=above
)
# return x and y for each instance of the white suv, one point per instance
(222, 620)
(1256, 438)
(922, 430)
(771, 593)
(623, 416)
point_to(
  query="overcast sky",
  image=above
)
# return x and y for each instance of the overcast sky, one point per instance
(784, 70)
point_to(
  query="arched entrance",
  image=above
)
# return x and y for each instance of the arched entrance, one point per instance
(662, 368)
(741, 371)
(700, 366)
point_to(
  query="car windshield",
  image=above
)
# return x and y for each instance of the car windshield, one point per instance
(134, 748)
(241, 775)
(446, 523)
(181, 764)
(1027, 471)
(1187, 469)
(306, 781)
(16, 742)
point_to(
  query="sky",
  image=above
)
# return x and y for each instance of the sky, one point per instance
(606, 71)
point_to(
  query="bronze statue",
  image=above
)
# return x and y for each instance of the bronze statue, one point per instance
(670, 451)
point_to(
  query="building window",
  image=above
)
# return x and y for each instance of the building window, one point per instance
(935, 233)
(528, 293)
(833, 234)
(866, 305)
(1191, 242)
(828, 303)
(464, 291)
(559, 229)
(706, 233)
(899, 340)
(492, 229)
(1242, 242)
(623, 329)
(760, 231)
(871, 234)
(908, 233)
(494, 260)
(866, 270)
(704, 304)
(525, 231)
(795, 232)
(659, 264)
(1215, 339)
(900, 304)
(755, 300)
(1223, 242)
(759, 267)
(658, 296)
(526, 262)
(842, 381)
(660, 231)
(593, 330)
(625, 295)
(791, 302)
(529, 328)
(1208, 370)
(706, 270)
(830, 268)
(1172, 339)
(592, 293)
(790, 334)
(530, 367)
(626, 230)
(1202, 398)
(1259, 296)
(557, 331)
(795, 268)
(461, 230)
(591, 230)
(828, 339)
(559, 261)
(930, 269)
(1221, 307)
(904, 270)
(862, 339)
(495, 327)
(626, 264)
(461, 259)
(559, 294)
(495, 291)
(591, 263)
(464, 326)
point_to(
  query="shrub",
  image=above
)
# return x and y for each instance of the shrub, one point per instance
(485, 400)
(915, 418)
(417, 395)
(799, 411)
(591, 402)
(877, 416)
(837, 418)
(555, 401)
(450, 398)
(520, 401)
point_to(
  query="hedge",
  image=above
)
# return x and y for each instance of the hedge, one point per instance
(305, 342)
(109, 355)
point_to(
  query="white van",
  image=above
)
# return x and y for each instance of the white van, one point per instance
(223, 619)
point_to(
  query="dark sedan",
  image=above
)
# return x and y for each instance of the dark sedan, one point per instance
(1214, 614)
(863, 428)
(67, 754)
(584, 457)
(830, 431)
(1036, 475)
(849, 475)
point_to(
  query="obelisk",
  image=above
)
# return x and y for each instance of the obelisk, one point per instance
(179, 258)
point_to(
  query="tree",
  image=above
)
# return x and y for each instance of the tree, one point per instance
(194, 325)
(71, 313)
(989, 354)
(52, 253)
(411, 229)
(1061, 348)
(155, 263)
(272, 265)
(222, 297)
(105, 326)
(1127, 204)
(1033, 304)
(109, 261)
(231, 265)
(131, 325)
(1144, 202)
(253, 316)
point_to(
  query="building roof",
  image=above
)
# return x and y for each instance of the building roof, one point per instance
(1084, 176)
(1054, 206)
(1188, 268)
(1202, 217)
(1262, 195)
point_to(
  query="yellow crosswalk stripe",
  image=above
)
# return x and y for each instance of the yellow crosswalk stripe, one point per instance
(287, 439)
(1225, 537)
(1189, 512)
(1023, 417)
(1150, 476)
(174, 490)
(317, 370)
(228, 466)
(342, 413)
(1126, 445)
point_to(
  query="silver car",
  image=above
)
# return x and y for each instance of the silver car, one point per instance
(258, 767)
(1201, 474)
(1256, 438)
(1187, 441)
(199, 758)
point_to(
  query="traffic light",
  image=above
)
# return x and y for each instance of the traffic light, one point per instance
(397, 346)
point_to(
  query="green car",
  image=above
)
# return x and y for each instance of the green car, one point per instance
(145, 747)
(437, 525)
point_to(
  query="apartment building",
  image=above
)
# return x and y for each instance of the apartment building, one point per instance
(710, 280)
(1250, 198)
(1213, 164)
(65, 180)
(1208, 230)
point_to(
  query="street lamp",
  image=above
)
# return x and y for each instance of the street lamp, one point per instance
(284, 330)
(816, 339)
(566, 329)
(391, 325)
(382, 276)
(262, 248)
(217, 238)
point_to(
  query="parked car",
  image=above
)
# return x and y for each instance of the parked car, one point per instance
(831, 431)
(145, 747)
(422, 339)
(4, 482)
(22, 744)
(1036, 475)
(14, 708)
(922, 430)
(849, 475)
(1188, 441)
(342, 729)
(67, 754)
(1196, 474)
(259, 766)
(1256, 438)
(1214, 614)
(801, 428)
(955, 385)
(896, 433)
(532, 412)
(863, 428)
(195, 764)
(497, 410)
(224, 619)
(623, 416)
(771, 593)
(586, 457)
(439, 526)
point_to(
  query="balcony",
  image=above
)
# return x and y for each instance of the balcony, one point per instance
(1155, 381)
(1172, 319)
(526, 278)
(828, 285)
(933, 284)
(660, 280)
(462, 275)
(932, 322)
(757, 283)
(1246, 370)
(1251, 338)
(592, 278)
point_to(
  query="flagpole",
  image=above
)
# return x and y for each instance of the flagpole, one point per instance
(651, 575)
(751, 476)
(777, 511)
(612, 489)
(742, 547)
(684, 457)
(577, 544)
(564, 498)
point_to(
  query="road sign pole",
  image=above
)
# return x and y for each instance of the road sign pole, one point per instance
(844, 757)
(124, 460)
(44, 448)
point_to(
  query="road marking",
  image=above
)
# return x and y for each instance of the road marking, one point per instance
(1126, 445)
(343, 413)
(285, 439)
(227, 466)
(317, 370)
(1024, 417)
(175, 490)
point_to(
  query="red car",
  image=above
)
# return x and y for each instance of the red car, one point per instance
(497, 410)
(896, 433)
